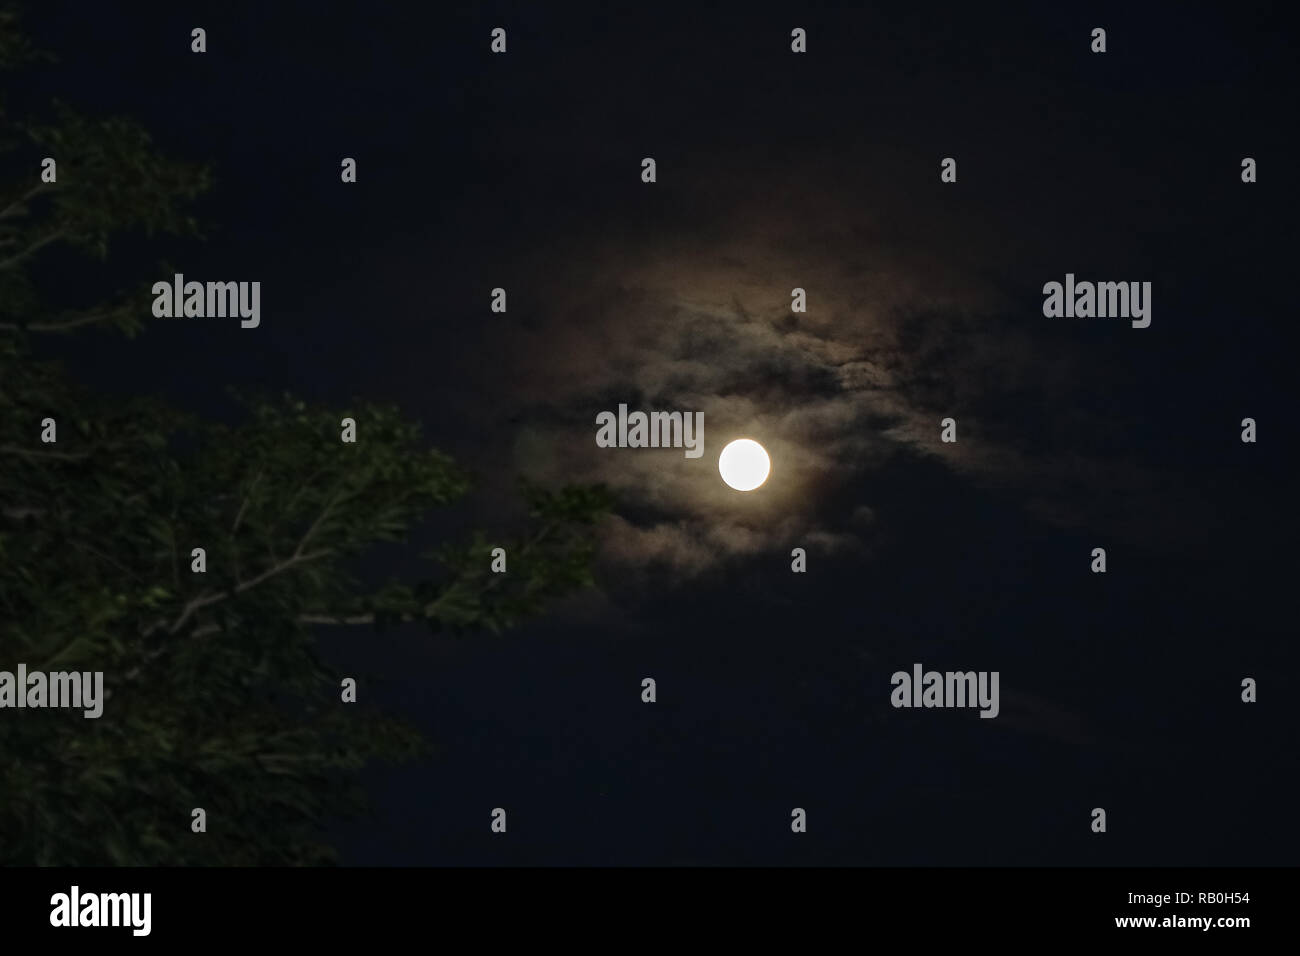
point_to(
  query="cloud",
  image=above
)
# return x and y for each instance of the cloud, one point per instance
(904, 328)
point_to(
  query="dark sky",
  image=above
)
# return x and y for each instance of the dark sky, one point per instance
(775, 171)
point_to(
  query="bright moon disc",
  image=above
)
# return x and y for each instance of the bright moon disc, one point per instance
(744, 464)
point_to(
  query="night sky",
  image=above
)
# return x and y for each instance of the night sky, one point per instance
(1118, 690)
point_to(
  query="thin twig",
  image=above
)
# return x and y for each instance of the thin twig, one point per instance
(243, 505)
(60, 326)
(99, 554)
(430, 609)
(18, 514)
(31, 250)
(18, 203)
(335, 498)
(33, 453)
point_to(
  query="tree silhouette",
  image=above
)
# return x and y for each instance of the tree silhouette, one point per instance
(217, 697)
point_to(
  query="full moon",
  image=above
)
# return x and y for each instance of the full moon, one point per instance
(744, 464)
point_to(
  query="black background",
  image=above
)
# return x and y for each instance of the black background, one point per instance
(468, 162)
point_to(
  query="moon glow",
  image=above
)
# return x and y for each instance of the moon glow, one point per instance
(744, 464)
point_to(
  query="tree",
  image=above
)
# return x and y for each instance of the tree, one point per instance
(217, 697)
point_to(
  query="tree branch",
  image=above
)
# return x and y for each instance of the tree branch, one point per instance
(26, 197)
(293, 499)
(31, 250)
(61, 326)
(285, 565)
(32, 453)
(429, 610)
(82, 546)
(19, 513)
(176, 559)
(320, 519)
(243, 505)
(207, 598)
(426, 612)
(351, 619)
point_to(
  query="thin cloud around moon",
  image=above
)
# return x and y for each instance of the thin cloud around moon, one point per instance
(902, 331)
